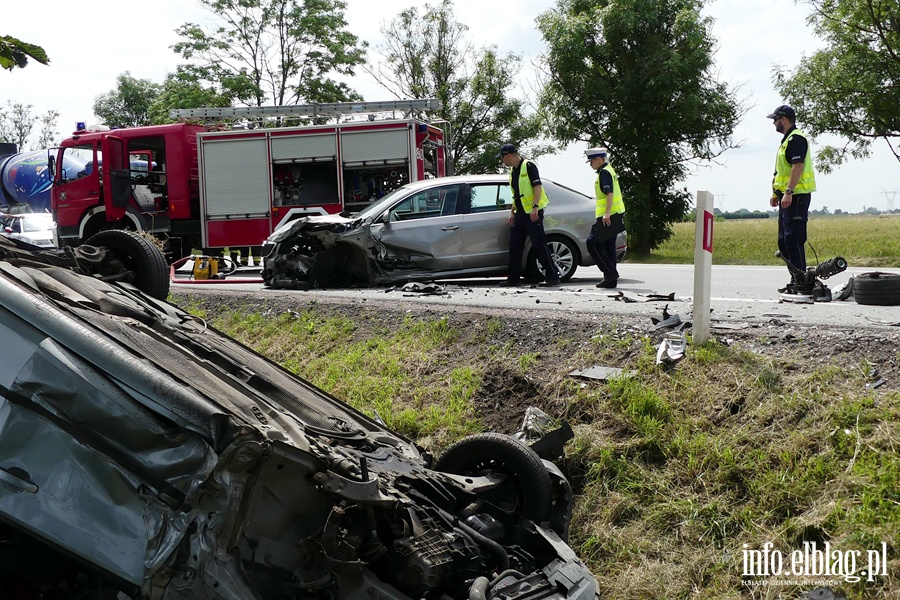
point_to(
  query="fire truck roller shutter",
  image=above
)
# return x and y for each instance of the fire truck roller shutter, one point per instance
(372, 148)
(292, 148)
(236, 178)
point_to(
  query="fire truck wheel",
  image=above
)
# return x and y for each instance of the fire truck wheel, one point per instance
(134, 259)
(880, 289)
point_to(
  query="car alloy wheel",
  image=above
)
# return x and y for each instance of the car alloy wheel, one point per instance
(564, 255)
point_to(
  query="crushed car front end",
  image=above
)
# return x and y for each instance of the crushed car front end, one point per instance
(161, 459)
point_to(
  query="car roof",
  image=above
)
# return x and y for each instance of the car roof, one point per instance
(490, 178)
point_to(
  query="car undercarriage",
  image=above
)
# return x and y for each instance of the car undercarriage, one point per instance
(144, 454)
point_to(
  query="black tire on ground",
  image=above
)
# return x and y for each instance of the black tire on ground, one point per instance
(482, 453)
(881, 289)
(146, 267)
(564, 253)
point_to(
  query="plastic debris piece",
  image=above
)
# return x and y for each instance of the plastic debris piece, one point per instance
(875, 384)
(423, 288)
(600, 373)
(729, 326)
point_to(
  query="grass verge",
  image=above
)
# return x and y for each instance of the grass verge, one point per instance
(679, 473)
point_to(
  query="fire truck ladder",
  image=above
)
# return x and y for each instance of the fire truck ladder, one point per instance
(314, 110)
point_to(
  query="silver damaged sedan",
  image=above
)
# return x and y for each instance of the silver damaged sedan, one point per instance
(433, 229)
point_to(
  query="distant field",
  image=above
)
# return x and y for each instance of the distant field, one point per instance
(865, 241)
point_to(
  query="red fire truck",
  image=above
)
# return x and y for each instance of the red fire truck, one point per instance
(201, 186)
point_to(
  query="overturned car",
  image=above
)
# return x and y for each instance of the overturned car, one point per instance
(143, 454)
(431, 229)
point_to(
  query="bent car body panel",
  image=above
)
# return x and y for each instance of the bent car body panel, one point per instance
(180, 464)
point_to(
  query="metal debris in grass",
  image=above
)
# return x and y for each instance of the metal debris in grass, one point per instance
(601, 373)
(671, 349)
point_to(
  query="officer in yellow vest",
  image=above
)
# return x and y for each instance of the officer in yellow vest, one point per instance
(610, 214)
(526, 217)
(792, 188)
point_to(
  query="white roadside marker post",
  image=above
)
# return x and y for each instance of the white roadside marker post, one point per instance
(703, 247)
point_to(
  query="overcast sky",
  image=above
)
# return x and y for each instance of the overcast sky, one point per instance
(90, 44)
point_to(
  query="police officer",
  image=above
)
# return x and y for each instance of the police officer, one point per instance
(792, 188)
(526, 217)
(610, 214)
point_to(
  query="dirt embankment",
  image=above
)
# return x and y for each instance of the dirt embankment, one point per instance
(876, 350)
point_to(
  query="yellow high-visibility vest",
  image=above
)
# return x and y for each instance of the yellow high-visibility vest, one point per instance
(618, 205)
(807, 183)
(526, 190)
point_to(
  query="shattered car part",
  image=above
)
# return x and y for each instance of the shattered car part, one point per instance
(156, 458)
(672, 348)
(442, 228)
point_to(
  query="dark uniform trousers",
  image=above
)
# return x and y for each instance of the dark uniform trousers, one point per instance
(523, 228)
(603, 252)
(792, 230)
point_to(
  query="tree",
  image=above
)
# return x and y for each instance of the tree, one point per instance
(48, 134)
(273, 51)
(17, 124)
(428, 56)
(183, 89)
(637, 77)
(852, 87)
(128, 105)
(15, 53)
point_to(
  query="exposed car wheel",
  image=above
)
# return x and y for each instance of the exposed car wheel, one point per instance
(563, 252)
(527, 492)
(881, 289)
(134, 259)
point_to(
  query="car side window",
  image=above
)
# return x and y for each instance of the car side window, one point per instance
(433, 202)
(490, 197)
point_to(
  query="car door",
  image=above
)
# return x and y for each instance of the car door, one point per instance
(424, 229)
(486, 226)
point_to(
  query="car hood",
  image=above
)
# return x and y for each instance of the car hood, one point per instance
(312, 223)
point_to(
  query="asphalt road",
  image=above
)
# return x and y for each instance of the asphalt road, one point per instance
(740, 295)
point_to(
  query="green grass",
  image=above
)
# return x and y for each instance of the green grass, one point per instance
(865, 241)
(674, 470)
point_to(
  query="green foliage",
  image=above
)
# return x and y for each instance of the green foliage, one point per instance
(273, 51)
(849, 88)
(183, 89)
(15, 53)
(427, 55)
(637, 76)
(128, 105)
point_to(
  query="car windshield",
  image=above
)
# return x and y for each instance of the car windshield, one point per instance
(33, 223)
(379, 206)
